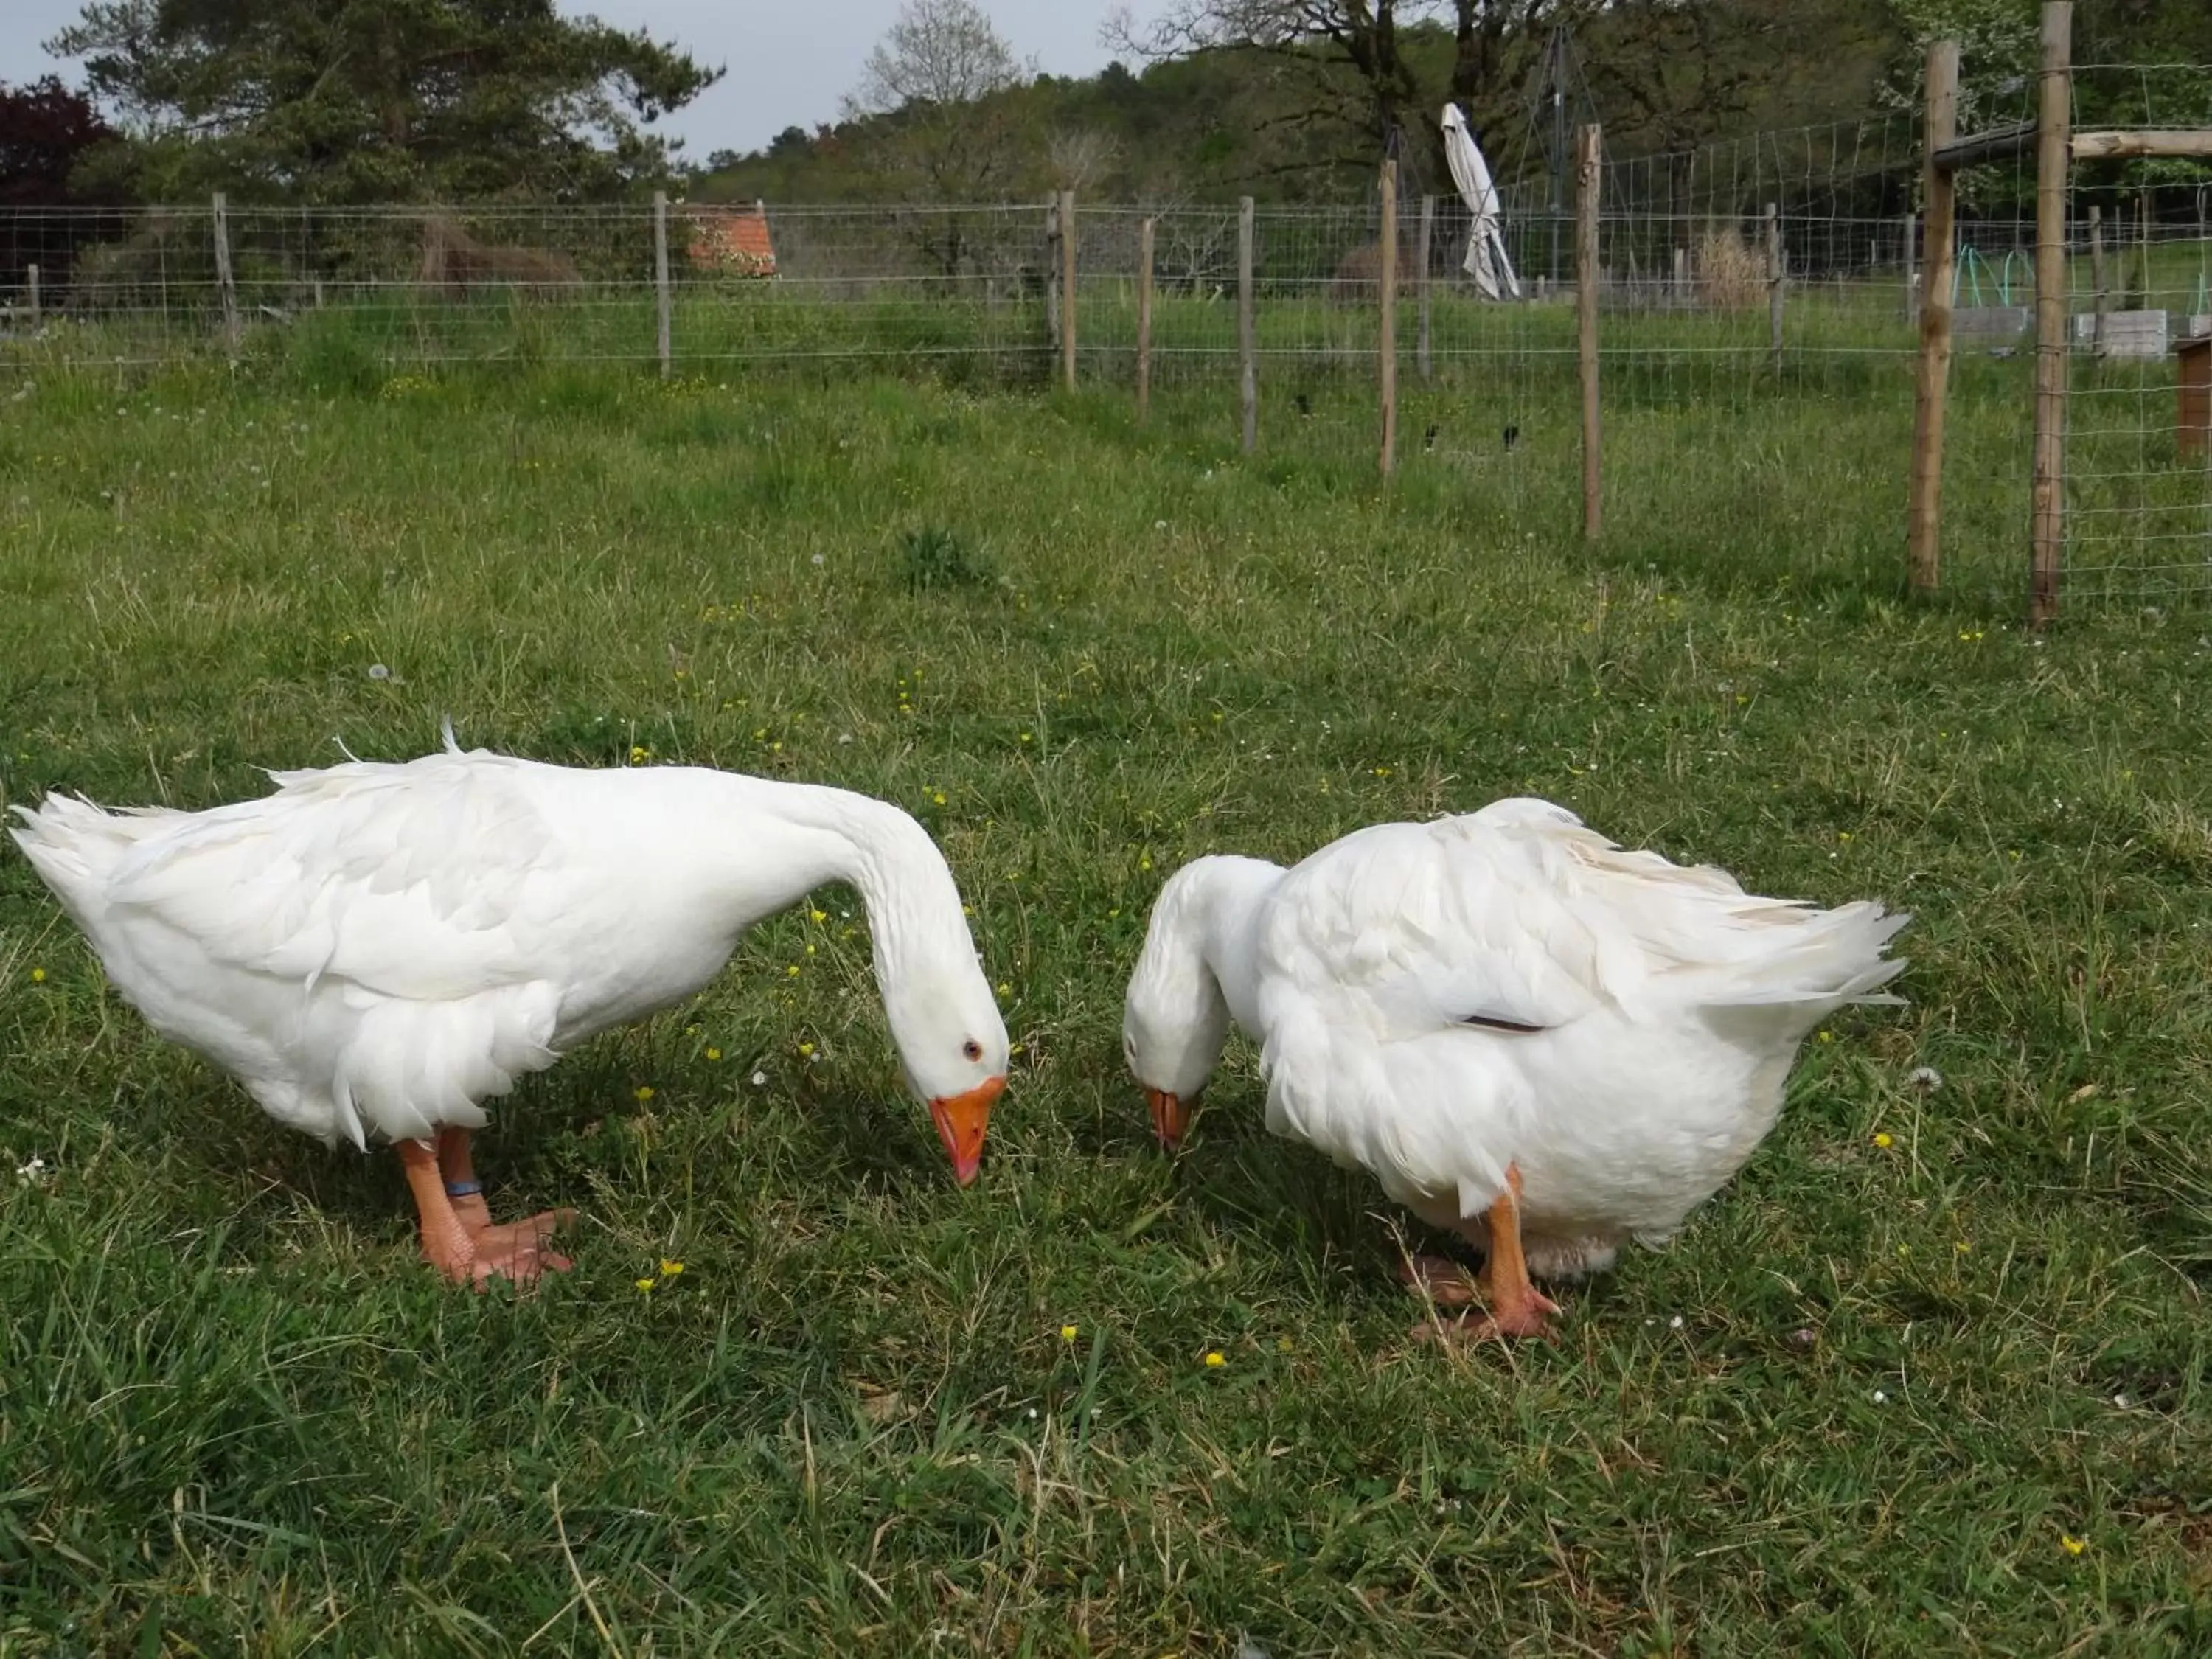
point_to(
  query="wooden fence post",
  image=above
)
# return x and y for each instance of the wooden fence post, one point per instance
(2097, 277)
(2053, 118)
(1143, 320)
(660, 278)
(225, 285)
(1912, 268)
(1067, 289)
(1774, 275)
(1054, 311)
(1421, 358)
(1386, 335)
(1923, 512)
(1248, 378)
(31, 279)
(1589, 148)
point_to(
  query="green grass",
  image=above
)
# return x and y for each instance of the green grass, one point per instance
(1859, 1408)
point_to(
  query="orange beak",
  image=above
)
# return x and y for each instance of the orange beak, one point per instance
(961, 1121)
(1171, 1118)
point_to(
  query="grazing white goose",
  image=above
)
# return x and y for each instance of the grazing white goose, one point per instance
(378, 949)
(1523, 1032)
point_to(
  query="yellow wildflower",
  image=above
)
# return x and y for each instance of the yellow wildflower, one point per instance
(670, 1269)
(1214, 1361)
(1068, 1332)
(37, 976)
(647, 1285)
(644, 1092)
(1881, 1140)
(806, 1051)
(2072, 1545)
(714, 1054)
(817, 915)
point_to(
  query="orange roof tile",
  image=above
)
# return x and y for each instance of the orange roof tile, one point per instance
(732, 240)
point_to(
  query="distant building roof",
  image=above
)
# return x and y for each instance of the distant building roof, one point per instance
(732, 240)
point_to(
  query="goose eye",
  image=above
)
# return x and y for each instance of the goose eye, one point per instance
(972, 1048)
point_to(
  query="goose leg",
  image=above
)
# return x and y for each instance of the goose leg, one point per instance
(1438, 1279)
(511, 1245)
(447, 1244)
(1517, 1307)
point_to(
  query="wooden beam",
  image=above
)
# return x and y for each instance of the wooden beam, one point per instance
(2125, 146)
(1923, 511)
(2047, 489)
(1385, 344)
(1145, 318)
(1997, 144)
(1589, 153)
(1067, 289)
(1248, 356)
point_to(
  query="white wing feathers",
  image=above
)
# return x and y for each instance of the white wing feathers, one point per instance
(1520, 915)
(1390, 960)
(403, 879)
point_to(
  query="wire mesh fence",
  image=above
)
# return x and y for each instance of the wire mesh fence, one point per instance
(2139, 442)
(1758, 301)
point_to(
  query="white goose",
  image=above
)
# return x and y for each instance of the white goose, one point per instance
(378, 949)
(1522, 1030)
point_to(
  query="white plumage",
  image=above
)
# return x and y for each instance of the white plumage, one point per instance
(374, 949)
(1441, 1003)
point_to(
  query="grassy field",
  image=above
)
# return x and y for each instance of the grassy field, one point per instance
(1933, 1375)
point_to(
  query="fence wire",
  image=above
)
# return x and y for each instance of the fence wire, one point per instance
(2139, 437)
(1759, 305)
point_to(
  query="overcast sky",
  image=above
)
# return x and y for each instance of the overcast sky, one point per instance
(788, 63)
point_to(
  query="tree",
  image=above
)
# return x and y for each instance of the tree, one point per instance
(47, 132)
(937, 118)
(938, 82)
(50, 141)
(357, 100)
(1366, 64)
(938, 52)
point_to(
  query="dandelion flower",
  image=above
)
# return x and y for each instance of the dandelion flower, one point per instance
(792, 972)
(1882, 1139)
(817, 916)
(760, 1080)
(1004, 989)
(37, 976)
(1214, 1361)
(1284, 1345)
(714, 1054)
(644, 1092)
(937, 796)
(806, 1051)
(1827, 1036)
(1925, 1077)
(1068, 1332)
(2072, 1545)
(644, 1285)
(670, 1269)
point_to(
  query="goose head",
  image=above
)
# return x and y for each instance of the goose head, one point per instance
(952, 1047)
(1197, 971)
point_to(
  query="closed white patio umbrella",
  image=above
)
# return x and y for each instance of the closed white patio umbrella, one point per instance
(1487, 261)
